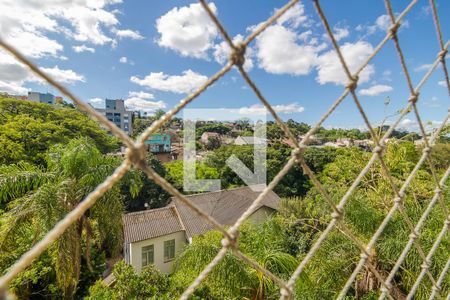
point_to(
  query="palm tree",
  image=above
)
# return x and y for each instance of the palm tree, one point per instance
(260, 242)
(35, 198)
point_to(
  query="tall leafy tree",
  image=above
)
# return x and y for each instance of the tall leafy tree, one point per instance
(37, 198)
(29, 129)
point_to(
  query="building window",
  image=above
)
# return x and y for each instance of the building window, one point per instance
(169, 250)
(147, 255)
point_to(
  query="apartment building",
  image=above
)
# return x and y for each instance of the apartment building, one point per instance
(46, 98)
(116, 112)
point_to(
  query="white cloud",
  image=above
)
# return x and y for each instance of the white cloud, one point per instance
(127, 33)
(293, 17)
(222, 52)
(140, 101)
(442, 83)
(13, 75)
(280, 49)
(12, 88)
(258, 109)
(407, 124)
(187, 30)
(181, 84)
(33, 44)
(142, 95)
(421, 68)
(382, 23)
(126, 60)
(279, 53)
(64, 76)
(330, 68)
(26, 23)
(83, 48)
(375, 90)
(340, 33)
(97, 102)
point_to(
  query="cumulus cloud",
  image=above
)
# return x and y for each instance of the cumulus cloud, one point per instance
(181, 84)
(142, 95)
(407, 124)
(64, 76)
(375, 90)
(259, 109)
(293, 17)
(330, 69)
(127, 33)
(126, 60)
(278, 52)
(13, 88)
(83, 48)
(442, 83)
(381, 24)
(140, 101)
(422, 68)
(187, 30)
(340, 33)
(222, 52)
(13, 75)
(280, 49)
(26, 24)
(97, 102)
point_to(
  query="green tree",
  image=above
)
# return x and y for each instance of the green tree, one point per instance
(151, 193)
(149, 284)
(264, 243)
(175, 173)
(39, 197)
(29, 129)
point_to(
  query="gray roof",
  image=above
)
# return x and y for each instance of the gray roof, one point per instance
(147, 224)
(225, 206)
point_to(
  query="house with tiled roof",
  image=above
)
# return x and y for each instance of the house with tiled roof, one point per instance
(155, 236)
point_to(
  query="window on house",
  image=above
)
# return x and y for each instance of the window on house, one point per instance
(169, 250)
(148, 254)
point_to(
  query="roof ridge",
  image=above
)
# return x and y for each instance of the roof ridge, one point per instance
(146, 211)
(211, 192)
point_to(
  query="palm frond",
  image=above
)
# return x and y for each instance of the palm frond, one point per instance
(18, 179)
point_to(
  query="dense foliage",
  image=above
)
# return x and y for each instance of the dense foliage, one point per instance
(282, 241)
(29, 129)
(51, 158)
(35, 198)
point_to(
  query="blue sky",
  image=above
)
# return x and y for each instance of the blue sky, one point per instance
(153, 53)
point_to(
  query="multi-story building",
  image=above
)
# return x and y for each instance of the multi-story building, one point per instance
(46, 98)
(116, 112)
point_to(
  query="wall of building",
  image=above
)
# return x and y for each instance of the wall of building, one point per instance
(261, 214)
(116, 112)
(158, 242)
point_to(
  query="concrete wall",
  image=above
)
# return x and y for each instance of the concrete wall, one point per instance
(158, 244)
(261, 214)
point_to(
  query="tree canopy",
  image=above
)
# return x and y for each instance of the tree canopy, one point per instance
(29, 129)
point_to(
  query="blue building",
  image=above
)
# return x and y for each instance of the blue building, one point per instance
(159, 143)
(46, 98)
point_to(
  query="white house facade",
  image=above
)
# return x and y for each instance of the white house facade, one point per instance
(156, 236)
